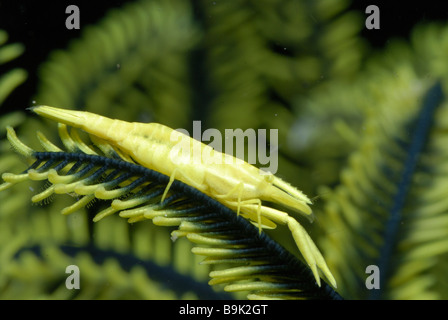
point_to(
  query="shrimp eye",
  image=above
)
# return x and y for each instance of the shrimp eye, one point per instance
(269, 177)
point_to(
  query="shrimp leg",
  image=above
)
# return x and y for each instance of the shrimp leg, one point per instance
(200, 187)
(310, 252)
(305, 244)
(239, 188)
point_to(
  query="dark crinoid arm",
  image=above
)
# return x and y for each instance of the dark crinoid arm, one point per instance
(242, 258)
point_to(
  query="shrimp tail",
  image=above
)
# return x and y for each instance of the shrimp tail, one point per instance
(69, 117)
(100, 126)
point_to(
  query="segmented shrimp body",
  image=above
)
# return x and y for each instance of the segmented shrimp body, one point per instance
(233, 182)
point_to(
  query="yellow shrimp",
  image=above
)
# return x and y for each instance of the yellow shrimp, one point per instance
(233, 182)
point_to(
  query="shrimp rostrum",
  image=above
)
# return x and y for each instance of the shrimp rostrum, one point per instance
(231, 181)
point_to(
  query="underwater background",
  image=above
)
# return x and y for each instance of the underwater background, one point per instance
(361, 116)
